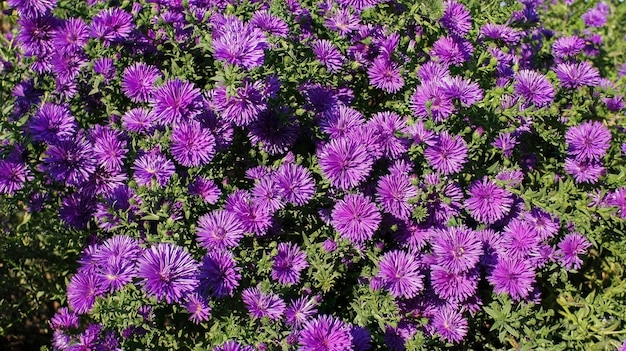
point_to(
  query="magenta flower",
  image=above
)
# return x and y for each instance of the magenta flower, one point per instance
(175, 101)
(192, 145)
(575, 75)
(325, 333)
(394, 191)
(138, 81)
(512, 276)
(153, 166)
(219, 230)
(448, 154)
(356, 218)
(260, 304)
(457, 249)
(401, 273)
(328, 55)
(345, 162)
(572, 245)
(456, 19)
(450, 324)
(198, 308)
(239, 44)
(385, 74)
(295, 183)
(533, 87)
(488, 202)
(588, 141)
(289, 262)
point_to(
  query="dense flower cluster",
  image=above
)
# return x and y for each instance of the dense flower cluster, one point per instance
(222, 178)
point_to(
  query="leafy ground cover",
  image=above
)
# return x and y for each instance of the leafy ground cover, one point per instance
(300, 175)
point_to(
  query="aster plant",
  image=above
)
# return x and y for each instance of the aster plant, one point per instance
(291, 175)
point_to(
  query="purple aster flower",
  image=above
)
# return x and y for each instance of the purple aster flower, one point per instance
(67, 65)
(153, 166)
(465, 90)
(342, 21)
(617, 198)
(584, 171)
(453, 286)
(512, 276)
(239, 44)
(356, 218)
(325, 333)
(506, 142)
(429, 100)
(344, 162)
(614, 103)
(574, 75)
(451, 51)
(167, 271)
(109, 149)
(261, 304)
(175, 101)
(219, 274)
(595, 17)
(138, 120)
(432, 70)
(242, 107)
(488, 203)
(32, 8)
(295, 183)
(232, 345)
(545, 225)
(394, 191)
(105, 68)
(82, 291)
(520, 239)
(588, 141)
(192, 145)
(456, 19)
(386, 125)
(448, 154)
(533, 87)
(457, 249)
(338, 121)
(266, 193)
(361, 339)
(206, 189)
(385, 74)
(112, 25)
(567, 47)
(328, 55)
(52, 123)
(275, 130)
(138, 81)
(35, 34)
(397, 337)
(288, 263)
(72, 35)
(64, 319)
(401, 274)
(450, 324)
(570, 247)
(254, 217)
(300, 310)
(198, 308)
(219, 230)
(269, 23)
(70, 161)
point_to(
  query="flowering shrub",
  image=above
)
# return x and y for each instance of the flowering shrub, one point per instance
(337, 175)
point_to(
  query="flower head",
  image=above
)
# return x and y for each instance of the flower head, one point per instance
(572, 245)
(488, 202)
(345, 162)
(356, 218)
(325, 333)
(289, 262)
(448, 154)
(192, 145)
(219, 230)
(175, 101)
(138, 81)
(219, 274)
(588, 141)
(262, 304)
(512, 276)
(574, 75)
(239, 44)
(401, 273)
(533, 87)
(153, 165)
(457, 249)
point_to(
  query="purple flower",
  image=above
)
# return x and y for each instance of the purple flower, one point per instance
(340, 120)
(617, 198)
(262, 304)
(192, 145)
(456, 19)
(82, 291)
(70, 161)
(105, 68)
(584, 171)
(205, 189)
(429, 100)
(386, 125)
(356, 218)
(254, 217)
(112, 25)
(32, 8)
(342, 21)
(520, 239)
(588, 141)
(401, 274)
(153, 166)
(570, 247)
(465, 90)
(275, 130)
(138, 81)
(394, 191)
(453, 286)
(289, 262)
(595, 17)
(574, 75)
(138, 120)
(35, 35)
(448, 154)
(239, 44)
(269, 23)
(451, 51)
(167, 272)
(568, 47)
(385, 74)
(109, 148)
(198, 308)
(488, 202)
(13, 175)
(344, 162)
(219, 274)
(457, 249)
(361, 339)
(219, 230)
(72, 35)
(328, 54)
(450, 324)
(512, 276)
(266, 193)
(243, 106)
(299, 310)
(325, 333)
(295, 183)
(533, 87)
(232, 345)
(64, 319)
(175, 101)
